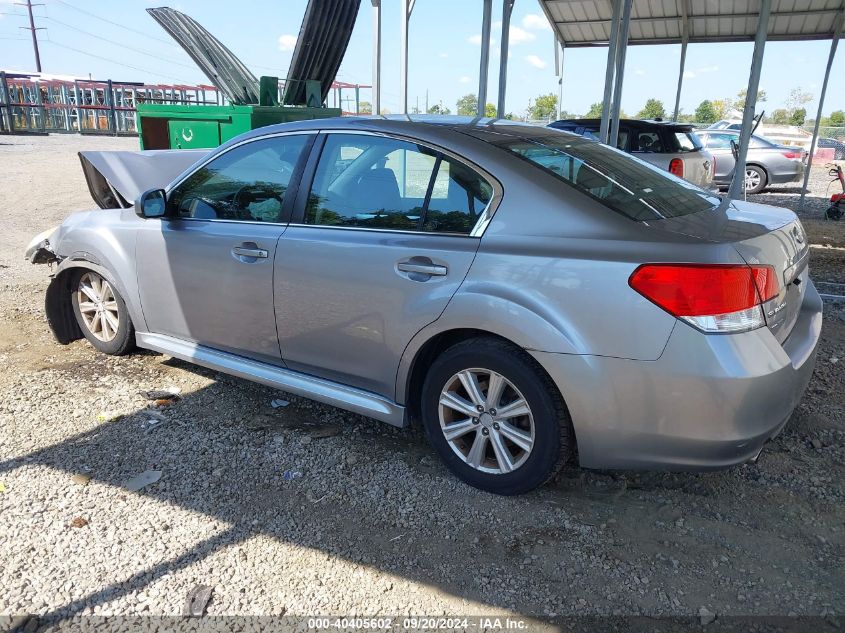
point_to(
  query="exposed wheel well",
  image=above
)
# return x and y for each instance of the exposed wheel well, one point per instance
(431, 350)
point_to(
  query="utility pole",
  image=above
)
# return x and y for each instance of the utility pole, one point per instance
(31, 28)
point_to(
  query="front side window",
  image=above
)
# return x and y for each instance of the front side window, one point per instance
(633, 188)
(382, 183)
(687, 142)
(718, 141)
(247, 183)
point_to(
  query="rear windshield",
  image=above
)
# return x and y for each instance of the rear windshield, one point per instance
(620, 182)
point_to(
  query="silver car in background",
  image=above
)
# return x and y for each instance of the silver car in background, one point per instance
(673, 147)
(767, 162)
(531, 297)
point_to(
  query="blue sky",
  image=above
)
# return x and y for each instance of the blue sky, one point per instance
(444, 53)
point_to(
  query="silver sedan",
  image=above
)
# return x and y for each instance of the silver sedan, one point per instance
(767, 162)
(529, 296)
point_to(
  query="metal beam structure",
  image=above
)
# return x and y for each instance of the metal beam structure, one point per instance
(610, 71)
(407, 10)
(737, 187)
(376, 97)
(621, 51)
(684, 42)
(485, 58)
(507, 10)
(833, 45)
(559, 51)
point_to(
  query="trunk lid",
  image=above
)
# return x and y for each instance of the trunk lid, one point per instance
(761, 235)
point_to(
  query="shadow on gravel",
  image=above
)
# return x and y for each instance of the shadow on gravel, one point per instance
(280, 473)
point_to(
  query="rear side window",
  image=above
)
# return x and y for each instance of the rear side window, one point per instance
(648, 142)
(382, 183)
(630, 187)
(687, 142)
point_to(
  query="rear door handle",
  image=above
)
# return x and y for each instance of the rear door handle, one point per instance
(423, 269)
(250, 251)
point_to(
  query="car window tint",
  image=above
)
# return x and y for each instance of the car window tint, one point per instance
(247, 183)
(458, 198)
(383, 186)
(718, 141)
(648, 142)
(633, 188)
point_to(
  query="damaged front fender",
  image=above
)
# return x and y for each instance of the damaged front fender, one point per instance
(40, 250)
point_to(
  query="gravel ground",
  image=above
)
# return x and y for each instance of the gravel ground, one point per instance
(310, 510)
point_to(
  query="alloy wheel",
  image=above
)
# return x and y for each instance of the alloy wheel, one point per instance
(752, 179)
(98, 306)
(486, 421)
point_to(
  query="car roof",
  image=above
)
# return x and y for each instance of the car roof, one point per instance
(639, 123)
(478, 127)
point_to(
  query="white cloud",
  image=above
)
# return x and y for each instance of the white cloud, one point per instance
(443, 55)
(475, 39)
(535, 61)
(707, 69)
(688, 74)
(287, 42)
(639, 71)
(534, 22)
(465, 79)
(520, 36)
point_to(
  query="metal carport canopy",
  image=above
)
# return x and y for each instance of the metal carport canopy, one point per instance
(580, 23)
(618, 23)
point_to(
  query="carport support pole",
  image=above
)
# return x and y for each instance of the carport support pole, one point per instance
(621, 50)
(407, 9)
(609, 71)
(684, 42)
(376, 105)
(833, 44)
(485, 58)
(507, 9)
(737, 187)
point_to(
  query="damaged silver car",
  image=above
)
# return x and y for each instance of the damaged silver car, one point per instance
(530, 296)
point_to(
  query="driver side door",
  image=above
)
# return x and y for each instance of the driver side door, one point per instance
(205, 271)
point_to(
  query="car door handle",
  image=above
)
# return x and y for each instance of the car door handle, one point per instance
(422, 268)
(243, 251)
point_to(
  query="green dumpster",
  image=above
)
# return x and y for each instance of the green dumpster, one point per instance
(165, 126)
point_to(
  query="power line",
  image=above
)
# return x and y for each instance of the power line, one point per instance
(121, 44)
(123, 26)
(143, 70)
(31, 28)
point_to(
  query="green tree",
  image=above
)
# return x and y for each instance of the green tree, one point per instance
(706, 113)
(797, 98)
(780, 116)
(490, 111)
(653, 109)
(543, 107)
(365, 107)
(797, 117)
(439, 108)
(739, 104)
(837, 118)
(594, 112)
(468, 105)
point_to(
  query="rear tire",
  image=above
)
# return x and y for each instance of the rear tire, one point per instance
(505, 428)
(102, 314)
(756, 179)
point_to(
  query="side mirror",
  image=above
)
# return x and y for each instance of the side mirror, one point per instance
(151, 204)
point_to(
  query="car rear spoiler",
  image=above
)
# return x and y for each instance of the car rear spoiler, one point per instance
(116, 178)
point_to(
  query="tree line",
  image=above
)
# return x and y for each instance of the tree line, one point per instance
(545, 108)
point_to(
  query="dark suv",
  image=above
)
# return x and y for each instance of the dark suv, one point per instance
(670, 146)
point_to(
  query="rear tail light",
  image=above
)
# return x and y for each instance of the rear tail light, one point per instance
(791, 154)
(676, 167)
(710, 297)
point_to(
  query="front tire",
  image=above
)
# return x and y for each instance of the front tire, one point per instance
(102, 314)
(756, 179)
(495, 417)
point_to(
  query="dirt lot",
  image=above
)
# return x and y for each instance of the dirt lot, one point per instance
(257, 504)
